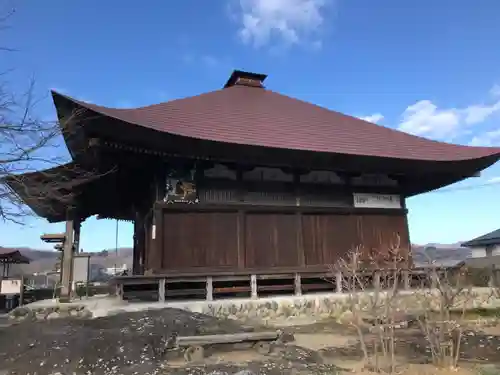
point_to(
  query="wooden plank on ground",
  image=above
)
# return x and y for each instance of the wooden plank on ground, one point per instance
(183, 341)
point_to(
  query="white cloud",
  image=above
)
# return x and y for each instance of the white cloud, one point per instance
(476, 114)
(490, 138)
(289, 21)
(375, 118)
(494, 180)
(425, 118)
(209, 60)
(495, 90)
(187, 58)
(206, 60)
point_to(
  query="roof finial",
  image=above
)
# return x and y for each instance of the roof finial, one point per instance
(240, 78)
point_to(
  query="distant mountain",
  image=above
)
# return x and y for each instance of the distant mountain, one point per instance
(441, 255)
(44, 260)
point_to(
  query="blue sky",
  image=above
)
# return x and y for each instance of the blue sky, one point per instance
(429, 67)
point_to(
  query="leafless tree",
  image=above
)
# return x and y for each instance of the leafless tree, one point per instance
(442, 312)
(29, 143)
(372, 285)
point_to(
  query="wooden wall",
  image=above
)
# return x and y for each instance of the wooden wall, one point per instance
(244, 239)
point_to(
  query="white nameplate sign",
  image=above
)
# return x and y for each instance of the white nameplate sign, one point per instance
(390, 201)
(11, 286)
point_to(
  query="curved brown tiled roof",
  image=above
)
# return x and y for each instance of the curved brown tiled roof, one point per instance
(255, 116)
(12, 256)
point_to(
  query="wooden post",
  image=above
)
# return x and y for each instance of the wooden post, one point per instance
(21, 292)
(406, 279)
(161, 290)
(298, 285)
(434, 279)
(376, 280)
(338, 281)
(253, 286)
(210, 289)
(492, 281)
(67, 262)
(240, 238)
(76, 241)
(136, 249)
(119, 291)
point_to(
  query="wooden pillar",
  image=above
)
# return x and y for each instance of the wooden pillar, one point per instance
(162, 285)
(253, 286)
(338, 282)
(435, 279)
(299, 227)
(67, 262)
(119, 291)
(210, 289)
(406, 279)
(76, 242)
(143, 244)
(376, 280)
(298, 285)
(136, 246)
(240, 238)
(153, 242)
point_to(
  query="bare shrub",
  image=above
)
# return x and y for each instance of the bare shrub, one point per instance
(372, 286)
(442, 313)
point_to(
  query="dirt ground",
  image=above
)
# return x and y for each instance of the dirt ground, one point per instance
(136, 343)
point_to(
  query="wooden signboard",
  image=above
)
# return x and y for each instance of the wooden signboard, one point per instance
(81, 268)
(389, 201)
(11, 287)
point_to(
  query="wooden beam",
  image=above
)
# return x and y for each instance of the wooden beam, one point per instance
(337, 210)
(183, 341)
(67, 262)
(53, 238)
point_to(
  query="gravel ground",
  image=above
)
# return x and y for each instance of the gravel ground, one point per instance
(121, 344)
(131, 343)
(135, 343)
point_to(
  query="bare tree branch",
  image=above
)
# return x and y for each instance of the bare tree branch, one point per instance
(29, 144)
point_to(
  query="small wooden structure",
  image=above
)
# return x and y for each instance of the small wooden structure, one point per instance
(11, 289)
(243, 182)
(9, 257)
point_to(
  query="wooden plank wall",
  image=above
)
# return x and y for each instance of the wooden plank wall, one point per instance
(257, 240)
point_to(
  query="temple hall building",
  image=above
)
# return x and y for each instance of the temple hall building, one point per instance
(244, 181)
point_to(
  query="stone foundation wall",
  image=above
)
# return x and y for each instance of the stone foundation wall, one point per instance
(334, 305)
(23, 313)
(307, 308)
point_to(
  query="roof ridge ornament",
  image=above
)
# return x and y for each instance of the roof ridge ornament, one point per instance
(241, 78)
